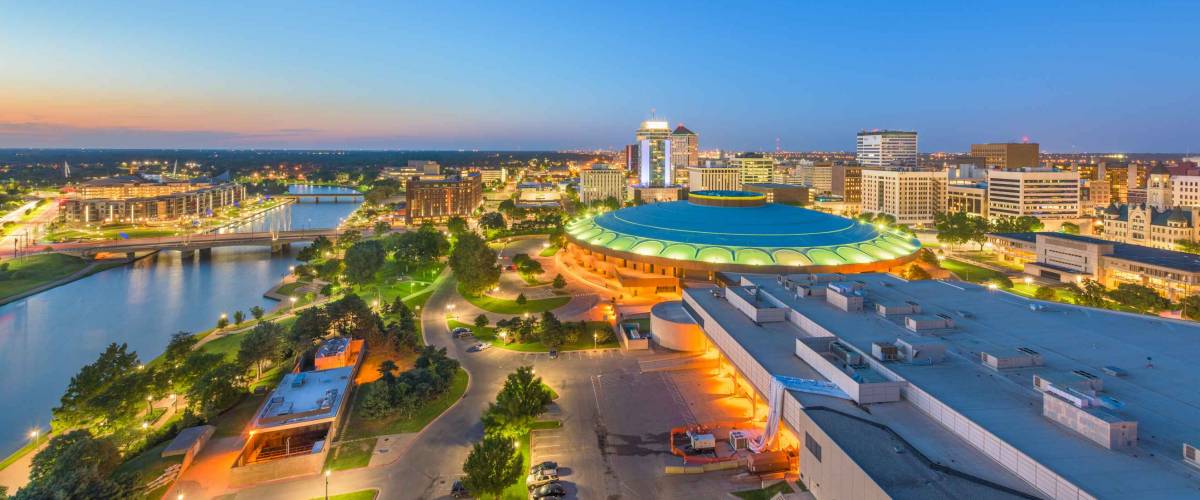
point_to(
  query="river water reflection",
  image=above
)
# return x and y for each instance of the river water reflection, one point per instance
(46, 338)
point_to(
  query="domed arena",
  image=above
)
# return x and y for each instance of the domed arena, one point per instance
(730, 231)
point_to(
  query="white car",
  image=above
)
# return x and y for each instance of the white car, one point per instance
(534, 480)
(482, 346)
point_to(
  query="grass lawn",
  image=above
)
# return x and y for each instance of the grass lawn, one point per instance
(1060, 294)
(355, 495)
(290, 288)
(358, 427)
(234, 420)
(518, 491)
(533, 280)
(392, 282)
(148, 466)
(549, 251)
(969, 272)
(991, 259)
(350, 455)
(506, 306)
(38, 270)
(227, 346)
(488, 334)
(765, 493)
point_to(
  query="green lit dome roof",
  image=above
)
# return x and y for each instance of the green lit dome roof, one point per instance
(767, 234)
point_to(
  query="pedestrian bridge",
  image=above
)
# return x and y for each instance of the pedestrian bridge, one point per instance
(276, 240)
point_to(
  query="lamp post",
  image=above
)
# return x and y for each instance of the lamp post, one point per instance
(34, 435)
(327, 473)
(149, 405)
(293, 301)
(595, 340)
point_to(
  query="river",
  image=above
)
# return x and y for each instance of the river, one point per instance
(46, 338)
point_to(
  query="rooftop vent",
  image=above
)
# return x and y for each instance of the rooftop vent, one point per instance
(884, 351)
(1191, 456)
(1021, 357)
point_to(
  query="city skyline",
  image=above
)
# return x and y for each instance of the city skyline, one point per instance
(1104, 79)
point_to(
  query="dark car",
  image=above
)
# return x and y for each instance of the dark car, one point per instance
(547, 465)
(552, 490)
(459, 491)
(553, 353)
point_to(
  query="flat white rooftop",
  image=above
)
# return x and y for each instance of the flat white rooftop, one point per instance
(305, 398)
(1158, 356)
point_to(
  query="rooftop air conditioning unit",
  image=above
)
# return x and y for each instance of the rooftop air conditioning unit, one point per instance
(1191, 456)
(884, 351)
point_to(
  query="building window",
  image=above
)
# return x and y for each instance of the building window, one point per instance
(812, 445)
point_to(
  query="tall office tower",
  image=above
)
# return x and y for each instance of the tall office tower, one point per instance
(911, 195)
(631, 158)
(753, 168)
(1008, 154)
(654, 154)
(1045, 193)
(846, 181)
(601, 182)
(887, 148)
(714, 177)
(685, 148)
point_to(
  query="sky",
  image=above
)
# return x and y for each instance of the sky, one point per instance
(1095, 76)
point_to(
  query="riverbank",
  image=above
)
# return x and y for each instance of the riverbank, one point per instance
(47, 271)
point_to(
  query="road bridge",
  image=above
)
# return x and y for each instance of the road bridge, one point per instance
(327, 197)
(188, 244)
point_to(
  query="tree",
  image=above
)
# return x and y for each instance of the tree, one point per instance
(381, 228)
(521, 300)
(238, 317)
(456, 225)
(559, 282)
(216, 390)
(1044, 293)
(492, 465)
(1091, 294)
(508, 208)
(85, 397)
(481, 321)
(1188, 246)
(316, 250)
(474, 264)
(363, 259)
(222, 322)
(1070, 228)
(257, 312)
(915, 272)
(492, 220)
(1140, 297)
(178, 348)
(349, 238)
(522, 399)
(960, 228)
(551, 331)
(1022, 224)
(75, 465)
(1190, 307)
(260, 345)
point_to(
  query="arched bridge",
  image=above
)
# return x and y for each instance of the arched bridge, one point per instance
(277, 240)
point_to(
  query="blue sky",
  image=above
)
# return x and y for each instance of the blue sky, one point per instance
(1094, 76)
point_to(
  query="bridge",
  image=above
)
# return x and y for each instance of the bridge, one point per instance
(317, 197)
(188, 244)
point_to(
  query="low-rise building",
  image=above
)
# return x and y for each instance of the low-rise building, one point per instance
(1070, 258)
(437, 200)
(1045, 193)
(846, 182)
(601, 182)
(969, 198)
(789, 194)
(1008, 154)
(1142, 224)
(714, 178)
(753, 167)
(140, 198)
(911, 195)
(888, 388)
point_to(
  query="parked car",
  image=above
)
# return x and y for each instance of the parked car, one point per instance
(552, 490)
(459, 491)
(547, 465)
(481, 346)
(542, 478)
(553, 353)
(460, 332)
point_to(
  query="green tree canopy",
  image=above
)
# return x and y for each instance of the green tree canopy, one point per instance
(474, 264)
(456, 225)
(492, 466)
(75, 465)
(363, 259)
(959, 228)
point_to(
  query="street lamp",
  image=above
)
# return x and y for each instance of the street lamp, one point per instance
(34, 435)
(293, 301)
(1028, 280)
(327, 473)
(149, 406)
(595, 340)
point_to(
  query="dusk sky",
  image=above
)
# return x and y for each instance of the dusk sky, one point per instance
(1074, 76)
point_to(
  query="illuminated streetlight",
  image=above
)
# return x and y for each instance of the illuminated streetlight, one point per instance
(1028, 280)
(293, 301)
(993, 286)
(595, 340)
(327, 473)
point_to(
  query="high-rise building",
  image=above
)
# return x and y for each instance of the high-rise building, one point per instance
(1158, 188)
(818, 175)
(715, 177)
(437, 200)
(629, 158)
(1045, 193)
(753, 167)
(911, 195)
(685, 148)
(654, 154)
(846, 181)
(887, 148)
(1007, 154)
(601, 182)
